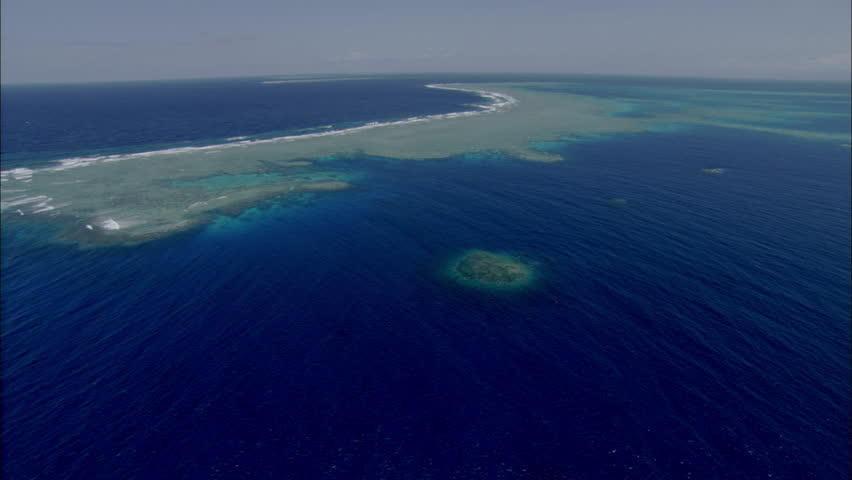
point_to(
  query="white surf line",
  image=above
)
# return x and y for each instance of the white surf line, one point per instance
(21, 200)
(499, 101)
(37, 204)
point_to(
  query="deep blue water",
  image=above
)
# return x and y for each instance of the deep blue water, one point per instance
(699, 331)
(47, 122)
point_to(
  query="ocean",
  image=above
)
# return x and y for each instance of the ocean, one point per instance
(689, 316)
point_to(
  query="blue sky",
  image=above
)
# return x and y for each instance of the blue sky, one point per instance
(94, 40)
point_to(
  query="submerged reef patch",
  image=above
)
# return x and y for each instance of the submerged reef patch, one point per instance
(484, 269)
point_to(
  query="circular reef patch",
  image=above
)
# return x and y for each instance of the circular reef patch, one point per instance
(483, 269)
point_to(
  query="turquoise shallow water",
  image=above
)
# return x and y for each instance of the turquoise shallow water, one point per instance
(231, 181)
(219, 182)
(699, 329)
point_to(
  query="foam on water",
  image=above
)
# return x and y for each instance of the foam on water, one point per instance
(21, 200)
(110, 224)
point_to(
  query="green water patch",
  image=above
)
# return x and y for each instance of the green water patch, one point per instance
(482, 157)
(219, 182)
(482, 269)
(228, 181)
(806, 134)
(666, 128)
(617, 202)
(633, 110)
(758, 120)
(588, 137)
(549, 146)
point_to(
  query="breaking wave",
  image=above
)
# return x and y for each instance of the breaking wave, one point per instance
(496, 102)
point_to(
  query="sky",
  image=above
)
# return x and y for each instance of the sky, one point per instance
(104, 40)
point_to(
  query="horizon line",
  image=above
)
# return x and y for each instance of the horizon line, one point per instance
(418, 73)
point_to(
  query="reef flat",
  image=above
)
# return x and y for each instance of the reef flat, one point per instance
(142, 195)
(136, 197)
